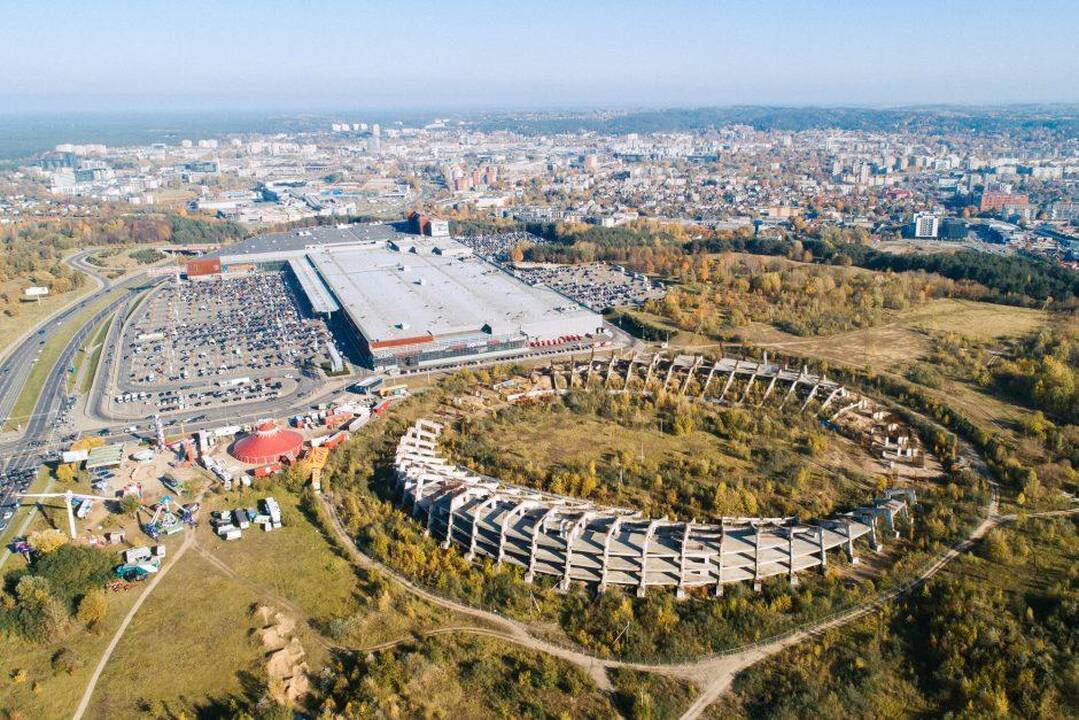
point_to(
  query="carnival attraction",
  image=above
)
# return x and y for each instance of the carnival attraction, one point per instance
(169, 517)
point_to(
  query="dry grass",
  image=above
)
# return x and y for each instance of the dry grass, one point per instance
(902, 341)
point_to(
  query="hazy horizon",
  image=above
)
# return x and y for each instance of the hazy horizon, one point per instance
(246, 56)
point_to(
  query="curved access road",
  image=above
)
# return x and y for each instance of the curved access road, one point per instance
(712, 675)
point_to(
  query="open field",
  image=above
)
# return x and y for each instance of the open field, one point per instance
(192, 646)
(730, 462)
(892, 345)
(31, 313)
(45, 693)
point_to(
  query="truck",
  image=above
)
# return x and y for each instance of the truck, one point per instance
(368, 385)
(137, 555)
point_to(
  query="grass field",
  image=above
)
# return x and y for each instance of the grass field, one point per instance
(893, 345)
(764, 465)
(96, 346)
(191, 645)
(46, 694)
(31, 313)
(87, 357)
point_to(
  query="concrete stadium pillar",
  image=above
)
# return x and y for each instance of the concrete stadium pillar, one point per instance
(603, 570)
(749, 384)
(771, 386)
(757, 558)
(476, 516)
(792, 575)
(850, 545)
(823, 553)
(730, 379)
(719, 558)
(537, 529)
(642, 586)
(681, 593)
(507, 521)
(708, 379)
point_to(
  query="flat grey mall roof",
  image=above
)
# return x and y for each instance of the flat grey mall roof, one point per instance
(434, 286)
(296, 240)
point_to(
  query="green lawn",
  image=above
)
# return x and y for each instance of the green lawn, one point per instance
(89, 350)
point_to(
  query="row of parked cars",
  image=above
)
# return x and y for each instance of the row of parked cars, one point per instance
(11, 484)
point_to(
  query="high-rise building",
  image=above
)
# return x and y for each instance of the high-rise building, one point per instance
(926, 225)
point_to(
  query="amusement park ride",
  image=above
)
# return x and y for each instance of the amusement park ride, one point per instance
(170, 517)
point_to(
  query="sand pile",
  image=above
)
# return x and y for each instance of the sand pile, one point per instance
(286, 664)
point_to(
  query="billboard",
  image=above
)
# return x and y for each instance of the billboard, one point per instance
(36, 292)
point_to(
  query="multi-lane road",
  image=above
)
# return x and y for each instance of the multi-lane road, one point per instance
(39, 428)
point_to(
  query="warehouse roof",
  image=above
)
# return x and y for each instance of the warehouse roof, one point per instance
(297, 240)
(415, 287)
(317, 293)
(105, 456)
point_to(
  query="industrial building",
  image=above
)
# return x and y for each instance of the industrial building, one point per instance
(412, 301)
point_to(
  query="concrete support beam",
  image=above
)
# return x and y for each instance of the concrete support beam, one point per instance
(749, 384)
(730, 379)
(719, 558)
(793, 387)
(477, 515)
(823, 553)
(850, 545)
(455, 502)
(642, 588)
(831, 396)
(682, 560)
(812, 394)
(768, 390)
(537, 530)
(611, 532)
(629, 369)
(610, 371)
(792, 576)
(708, 380)
(689, 375)
(756, 558)
(652, 368)
(430, 516)
(571, 536)
(845, 409)
(667, 377)
(507, 522)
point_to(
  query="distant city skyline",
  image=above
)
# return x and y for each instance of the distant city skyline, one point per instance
(270, 55)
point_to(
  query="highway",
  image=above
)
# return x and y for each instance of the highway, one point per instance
(41, 427)
(16, 367)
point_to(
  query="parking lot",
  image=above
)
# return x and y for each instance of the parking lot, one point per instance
(596, 285)
(496, 248)
(209, 343)
(11, 484)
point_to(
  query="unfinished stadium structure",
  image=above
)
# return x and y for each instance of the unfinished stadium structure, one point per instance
(577, 540)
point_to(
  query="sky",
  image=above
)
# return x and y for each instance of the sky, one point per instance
(240, 55)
